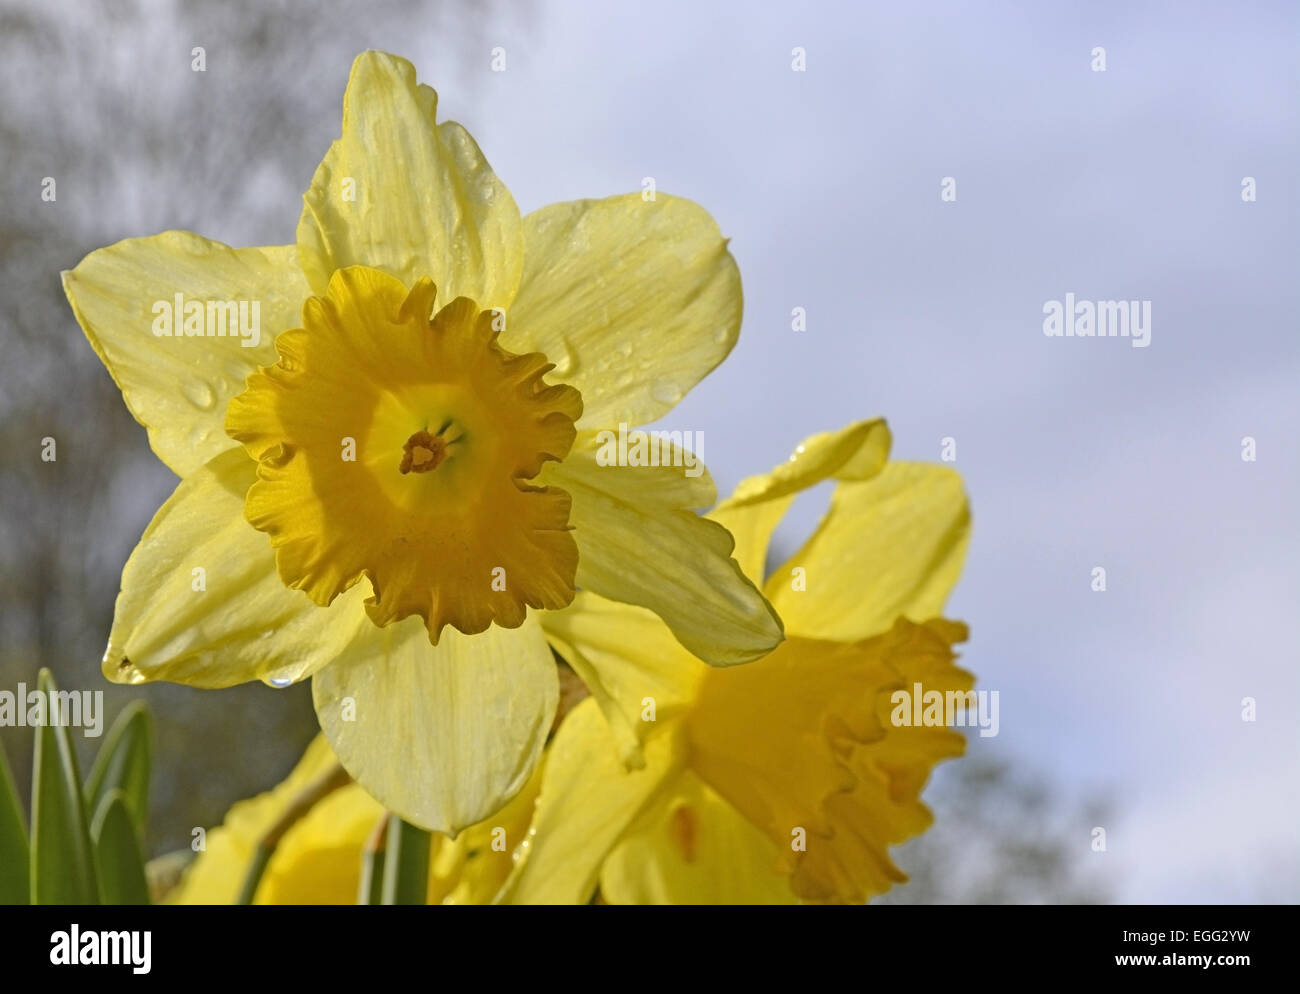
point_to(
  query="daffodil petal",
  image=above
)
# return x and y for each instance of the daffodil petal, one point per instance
(400, 193)
(752, 513)
(177, 385)
(629, 661)
(318, 861)
(634, 300)
(694, 848)
(639, 542)
(471, 868)
(889, 546)
(441, 735)
(587, 801)
(215, 877)
(201, 602)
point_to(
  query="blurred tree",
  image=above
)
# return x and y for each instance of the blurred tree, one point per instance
(1001, 837)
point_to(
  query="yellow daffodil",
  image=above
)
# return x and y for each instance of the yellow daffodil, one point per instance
(319, 858)
(377, 477)
(785, 779)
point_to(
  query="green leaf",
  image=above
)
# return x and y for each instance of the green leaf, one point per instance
(123, 764)
(117, 852)
(62, 863)
(406, 864)
(14, 868)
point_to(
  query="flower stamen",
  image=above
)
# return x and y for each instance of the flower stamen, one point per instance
(423, 452)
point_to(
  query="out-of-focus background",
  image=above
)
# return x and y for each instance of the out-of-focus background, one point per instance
(1120, 709)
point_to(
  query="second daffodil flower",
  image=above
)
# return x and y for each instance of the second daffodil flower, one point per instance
(786, 779)
(386, 437)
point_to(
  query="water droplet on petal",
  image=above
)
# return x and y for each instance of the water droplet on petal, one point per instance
(666, 392)
(280, 682)
(200, 394)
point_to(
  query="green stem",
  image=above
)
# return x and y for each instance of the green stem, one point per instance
(406, 864)
(372, 864)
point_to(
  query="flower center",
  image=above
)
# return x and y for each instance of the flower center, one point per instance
(423, 452)
(367, 400)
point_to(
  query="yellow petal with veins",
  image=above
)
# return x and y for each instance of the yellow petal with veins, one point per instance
(441, 735)
(586, 803)
(201, 602)
(637, 672)
(402, 193)
(634, 300)
(176, 384)
(640, 542)
(889, 546)
(752, 512)
(694, 848)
